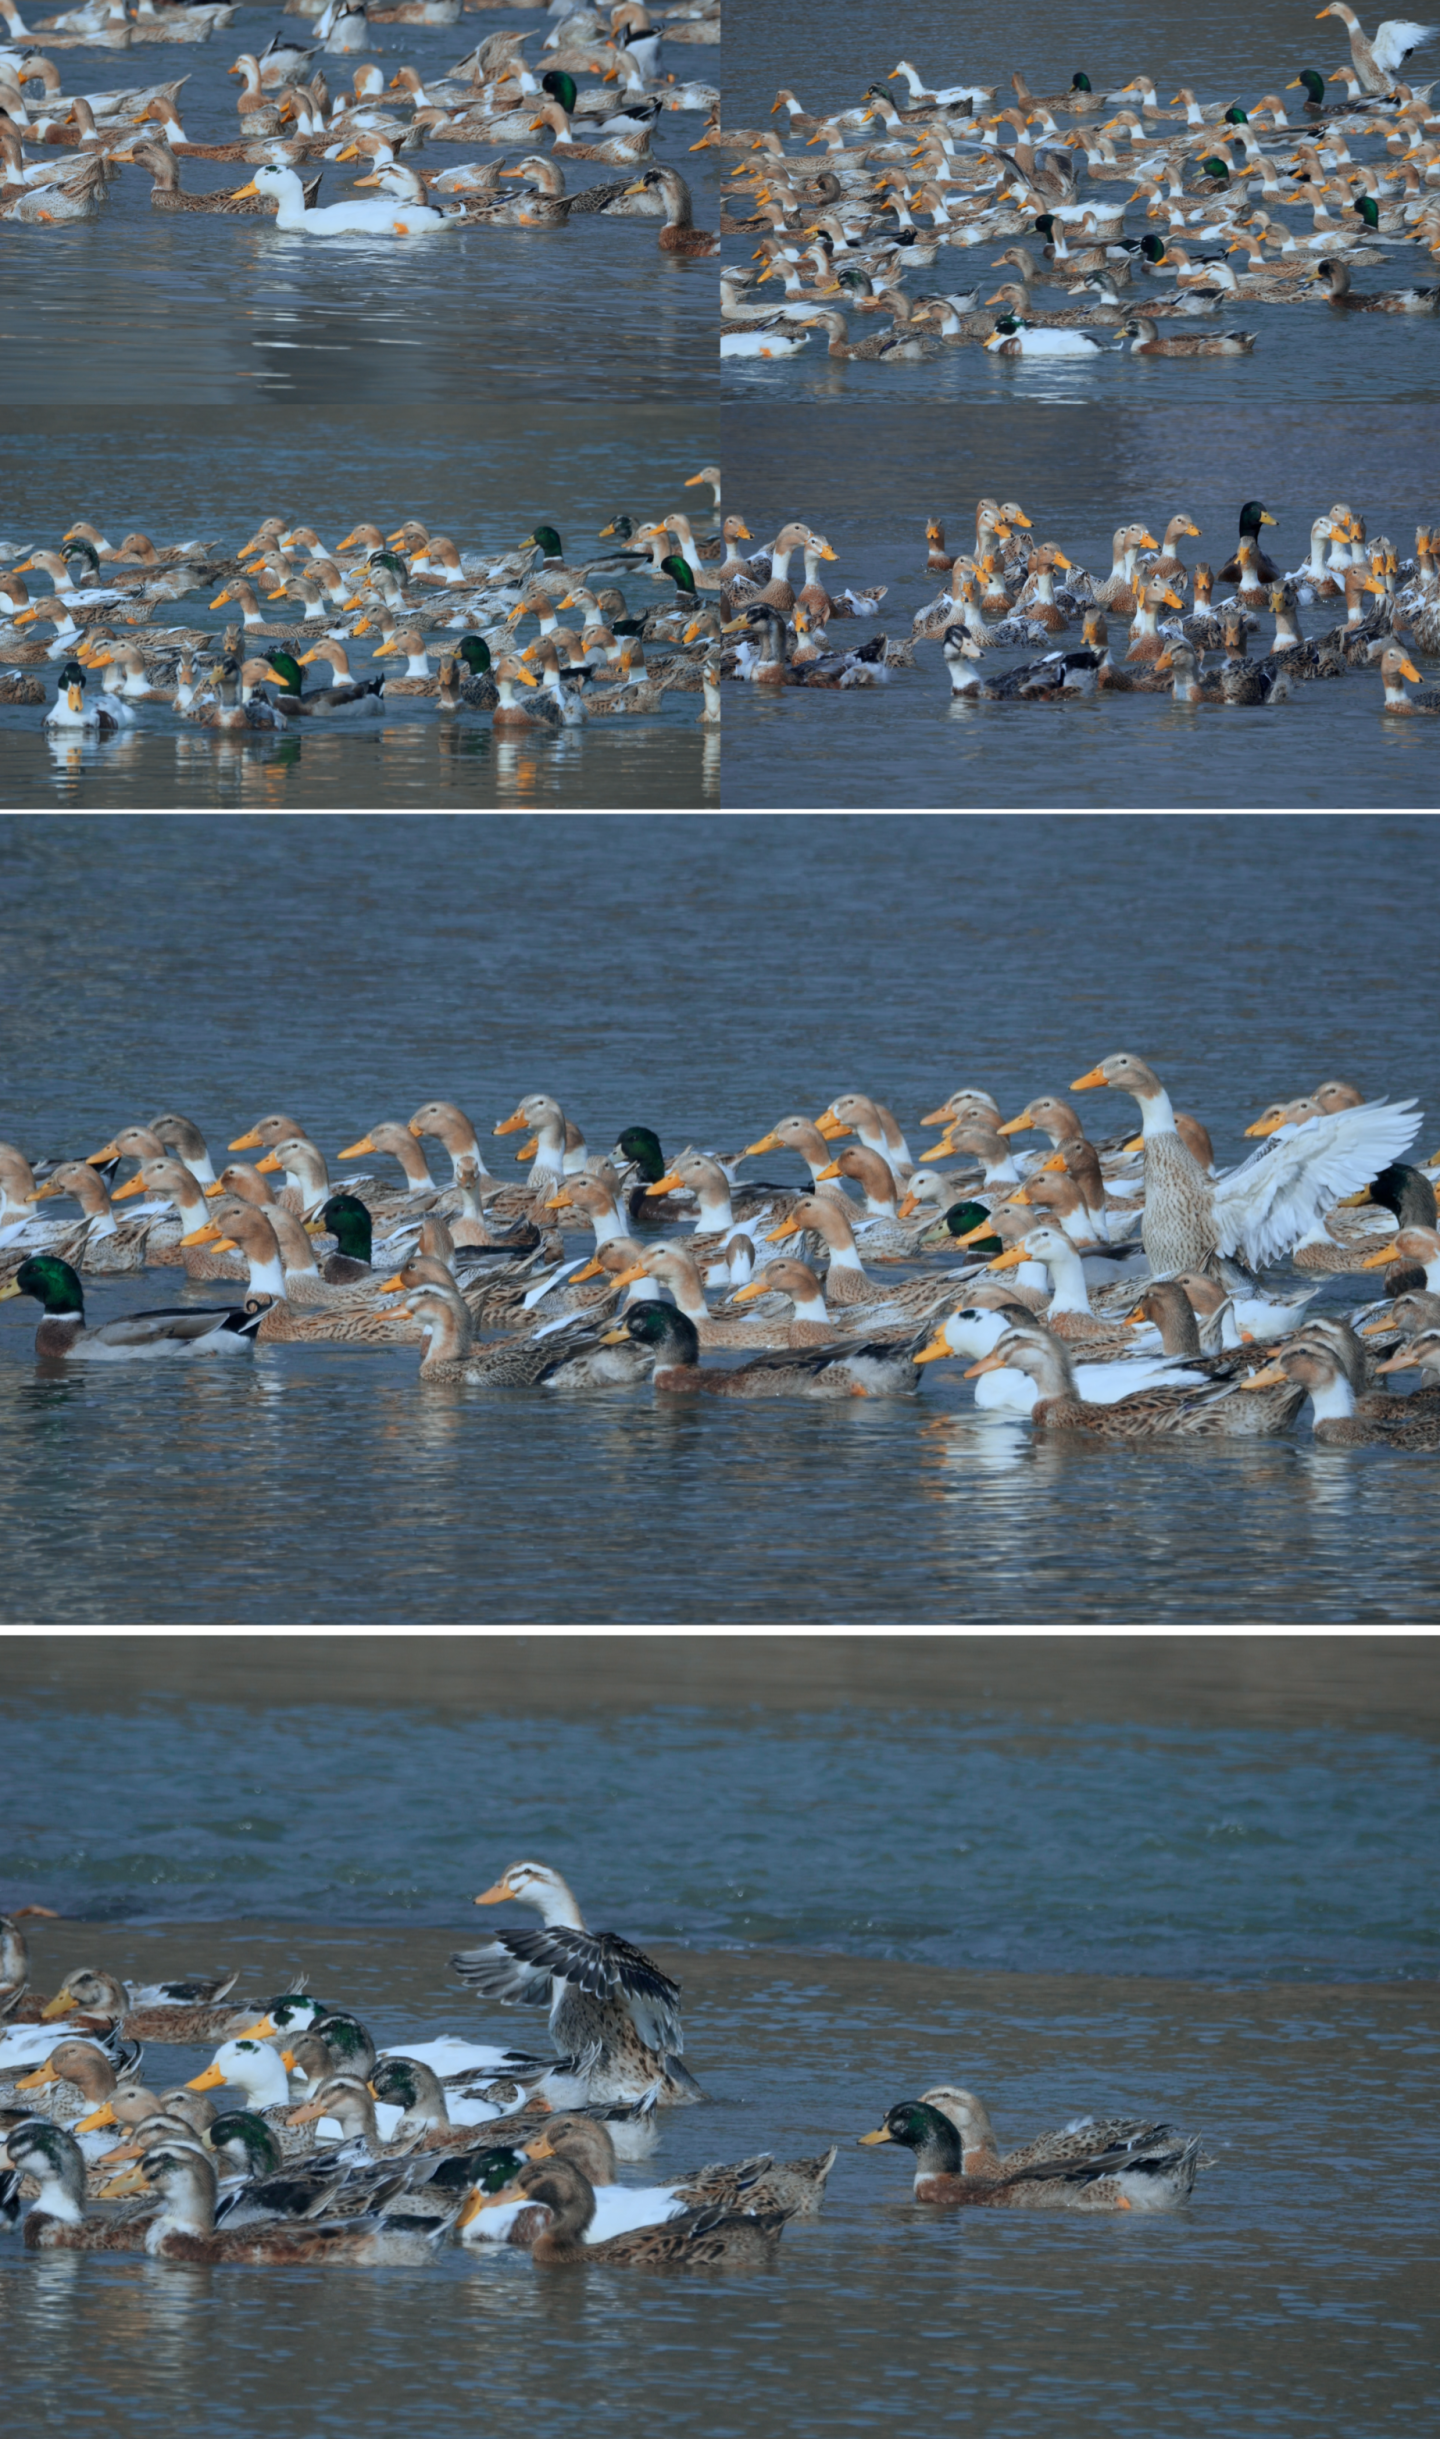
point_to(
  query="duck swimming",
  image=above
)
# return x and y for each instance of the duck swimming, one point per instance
(168, 1332)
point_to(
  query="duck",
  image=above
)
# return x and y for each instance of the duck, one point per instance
(184, 2229)
(1014, 337)
(1069, 1315)
(698, 2239)
(1146, 340)
(618, 151)
(55, 2220)
(572, 1359)
(678, 233)
(609, 2004)
(393, 1140)
(101, 1244)
(851, 1367)
(192, 2010)
(70, 709)
(678, 1275)
(1395, 666)
(976, 1330)
(429, 2119)
(1378, 63)
(79, 2081)
(1254, 515)
(1100, 2168)
(1258, 1211)
(1310, 1367)
(344, 697)
(1207, 1411)
(1334, 276)
(165, 1331)
(762, 2183)
(393, 217)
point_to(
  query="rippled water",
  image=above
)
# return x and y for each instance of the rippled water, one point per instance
(702, 977)
(178, 480)
(1068, 1916)
(240, 315)
(828, 52)
(878, 481)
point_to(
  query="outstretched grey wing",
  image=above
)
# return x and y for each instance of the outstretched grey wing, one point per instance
(498, 1973)
(606, 1967)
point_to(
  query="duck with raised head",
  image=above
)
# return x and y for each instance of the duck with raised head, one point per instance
(1261, 1210)
(609, 2004)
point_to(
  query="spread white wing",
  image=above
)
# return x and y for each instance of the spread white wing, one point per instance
(1396, 39)
(1263, 1207)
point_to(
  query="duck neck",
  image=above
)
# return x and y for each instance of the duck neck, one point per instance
(1070, 1294)
(713, 1216)
(267, 1278)
(1333, 1401)
(1157, 1116)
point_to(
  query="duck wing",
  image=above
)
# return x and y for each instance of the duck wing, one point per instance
(1264, 1205)
(497, 1971)
(605, 1967)
(178, 1323)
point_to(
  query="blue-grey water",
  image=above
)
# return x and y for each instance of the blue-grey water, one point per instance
(212, 311)
(1061, 1902)
(703, 977)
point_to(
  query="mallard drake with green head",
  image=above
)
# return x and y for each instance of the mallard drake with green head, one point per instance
(168, 1331)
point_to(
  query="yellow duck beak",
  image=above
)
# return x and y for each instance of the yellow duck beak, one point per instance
(936, 1351)
(880, 2135)
(1088, 1082)
(132, 1185)
(1010, 1260)
(1378, 1261)
(831, 1169)
(209, 2081)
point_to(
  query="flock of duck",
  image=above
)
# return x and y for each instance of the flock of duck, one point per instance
(302, 2142)
(492, 100)
(1374, 610)
(453, 619)
(1275, 201)
(1123, 1288)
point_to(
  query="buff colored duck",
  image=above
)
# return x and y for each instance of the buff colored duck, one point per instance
(1209, 1412)
(193, 2010)
(700, 2239)
(1310, 1367)
(607, 2000)
(1268, 1205)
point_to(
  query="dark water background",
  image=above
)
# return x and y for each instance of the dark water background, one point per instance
(1063, 1906)
(871, 491)
(196, 477)
(702, 977)
(210, 310)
